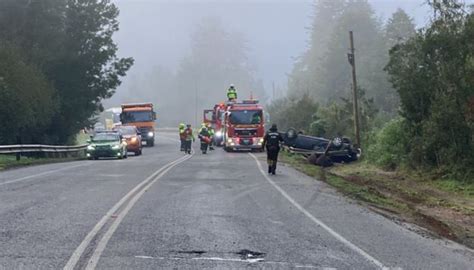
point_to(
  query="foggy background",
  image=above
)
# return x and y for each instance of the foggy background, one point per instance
(269, 35)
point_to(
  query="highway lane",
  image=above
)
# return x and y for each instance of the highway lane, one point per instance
(213, 211)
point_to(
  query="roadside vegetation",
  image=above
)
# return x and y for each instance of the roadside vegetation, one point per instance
(9, 161)
(416, 110)
(416, 87)
(57, 63)
(443, 207)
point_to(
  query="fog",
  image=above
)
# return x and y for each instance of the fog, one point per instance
(182, 77)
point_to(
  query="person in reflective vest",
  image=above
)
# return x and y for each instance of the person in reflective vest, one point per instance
(211, 134)
(231, 93)
(271, 142)
(182, 137)
(205, 138)
(189, 139)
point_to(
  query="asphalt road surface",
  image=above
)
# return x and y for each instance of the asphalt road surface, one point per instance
(165, 210)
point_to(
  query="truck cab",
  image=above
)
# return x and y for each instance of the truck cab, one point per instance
(244, 126)
(142, 116)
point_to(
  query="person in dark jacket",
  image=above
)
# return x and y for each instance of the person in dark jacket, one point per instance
(271, 142)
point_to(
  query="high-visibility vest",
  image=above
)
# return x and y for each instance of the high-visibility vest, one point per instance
(232, 94)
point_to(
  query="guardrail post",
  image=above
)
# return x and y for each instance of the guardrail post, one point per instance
(18, 141)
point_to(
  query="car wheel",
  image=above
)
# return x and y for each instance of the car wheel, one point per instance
(150, 142)
(291, 134)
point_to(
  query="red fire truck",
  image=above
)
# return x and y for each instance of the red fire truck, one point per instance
(216, 118)
(243, 127)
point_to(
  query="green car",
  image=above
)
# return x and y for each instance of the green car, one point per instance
(107, 144)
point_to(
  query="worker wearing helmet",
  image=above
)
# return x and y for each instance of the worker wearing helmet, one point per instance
(189, 139)
(205, 138)
(211, 134)
(182, 137)
(232, 93)
(271, 141)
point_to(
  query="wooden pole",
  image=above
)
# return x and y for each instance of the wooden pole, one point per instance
(354, 90)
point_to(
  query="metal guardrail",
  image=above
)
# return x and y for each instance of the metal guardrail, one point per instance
(38, 148)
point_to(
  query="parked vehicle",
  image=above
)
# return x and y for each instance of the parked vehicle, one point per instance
(340, 149)
(142, 116)
(244, 126)
(216, 118)
(133, 138)
(106, 144)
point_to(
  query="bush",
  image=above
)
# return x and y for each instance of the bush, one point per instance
(390, 145)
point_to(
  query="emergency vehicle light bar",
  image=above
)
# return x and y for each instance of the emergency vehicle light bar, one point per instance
(250, 101)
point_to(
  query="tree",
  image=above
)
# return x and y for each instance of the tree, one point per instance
(295, 113)
(304, 76)
(218, 58)
(399, 29)
(27, 98)
(87, 69)
(359, 17)
(71, 42)
(432, 72)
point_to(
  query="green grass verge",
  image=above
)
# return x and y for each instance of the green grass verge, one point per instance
(348, 188)
(442, 206)
(9, 161)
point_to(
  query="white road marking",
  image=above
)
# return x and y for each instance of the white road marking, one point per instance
(143, 257)
(247, 261)
(73, 260)
(39, 174)
(319, 222)
(94, 259)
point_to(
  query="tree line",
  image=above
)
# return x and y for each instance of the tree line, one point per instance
(416, 85)
(217, 57)
(58, 62)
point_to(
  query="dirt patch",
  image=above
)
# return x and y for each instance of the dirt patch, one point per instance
(445, 214)
(402, 197)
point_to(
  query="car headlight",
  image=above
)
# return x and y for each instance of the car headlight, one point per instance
(133, 140)
(219, 134)
(229, 140)
(91, 147)
(116, 147)
(150, 134)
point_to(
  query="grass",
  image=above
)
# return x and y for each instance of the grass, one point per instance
(8, 161)
(348, 188)
(443, 206)
(81, 138)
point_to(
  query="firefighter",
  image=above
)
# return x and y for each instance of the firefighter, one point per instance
(271, 141)
(232, 93)
(211, 134)
(256, 119)
(205, 138)
(189, 139)
(182, 137)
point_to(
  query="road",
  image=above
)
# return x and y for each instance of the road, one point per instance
(163, 210)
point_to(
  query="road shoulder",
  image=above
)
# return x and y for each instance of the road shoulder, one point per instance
(438, 212)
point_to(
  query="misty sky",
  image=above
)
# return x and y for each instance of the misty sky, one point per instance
(157, 32)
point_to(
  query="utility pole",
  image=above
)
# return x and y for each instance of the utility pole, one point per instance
(273, 90)
(351, 57)
(195, 105)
